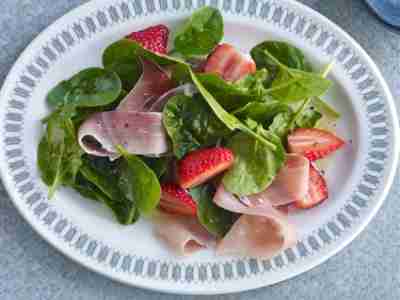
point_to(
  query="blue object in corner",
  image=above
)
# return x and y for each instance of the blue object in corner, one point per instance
(387, 10)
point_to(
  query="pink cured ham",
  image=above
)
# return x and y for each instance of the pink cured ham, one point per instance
(138, 132)
(183, 235)
(132, 124)
(229, 63)
(290, 184)
(262, 231)
(153, 83)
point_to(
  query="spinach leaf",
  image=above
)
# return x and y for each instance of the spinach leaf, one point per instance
(101, 181)
(262, 112)
(255, 164)
(285, 53)
(200, 33)
(293, 79)
(191, 124)
(232, 96)
(139, 183)
(121, 57)
(228, 95)
(88, 88)
(88, 189)
(280, 125)
(325, 108)
(159, 165)
(215, 219)
(59, 155)
(308, 119)
(302, 85)
(228, 119)
(256, 83)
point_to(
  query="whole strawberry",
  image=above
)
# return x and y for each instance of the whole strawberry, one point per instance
(154, 38)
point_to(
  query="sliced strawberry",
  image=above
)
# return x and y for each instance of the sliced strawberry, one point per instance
(154, 38)
(176, 200)
(229, 63)
(313, 143)
(317, 190)
(200, 165)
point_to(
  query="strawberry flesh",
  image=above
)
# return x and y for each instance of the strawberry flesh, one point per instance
(176, 200)
(313, 143)
(229, 63)
(317, 190)
(154, 38)
(201, 165)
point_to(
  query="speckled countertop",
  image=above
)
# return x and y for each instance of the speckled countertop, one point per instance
(367, 269)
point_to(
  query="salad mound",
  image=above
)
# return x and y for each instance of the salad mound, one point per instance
(216, 147)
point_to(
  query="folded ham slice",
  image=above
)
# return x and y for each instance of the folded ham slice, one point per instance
(262, 231)
(290, 184)
(138, 132)
(153, 83)
(182, 234)
(132, 124)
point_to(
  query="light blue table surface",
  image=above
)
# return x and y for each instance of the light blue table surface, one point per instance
(367, 269)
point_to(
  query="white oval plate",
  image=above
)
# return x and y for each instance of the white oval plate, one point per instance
(85, 231)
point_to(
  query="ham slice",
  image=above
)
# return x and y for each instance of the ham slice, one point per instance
(182, 234)
(138, 132)
(132, 124)
(290, 184)
(153, 83)
(262, 231)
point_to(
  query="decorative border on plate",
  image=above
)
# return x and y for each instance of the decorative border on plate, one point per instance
(273, 13)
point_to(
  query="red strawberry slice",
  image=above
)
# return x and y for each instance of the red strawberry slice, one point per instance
(317, 190)
(176, 200)
(229, 63)
(200, 165)
(313, 143)
(154, 38)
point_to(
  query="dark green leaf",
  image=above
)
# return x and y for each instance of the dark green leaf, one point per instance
(139, 183)
(215, 219)
(280, 125)
(325, 108)
(262, 112)
(102, 182)
(228, 119)
(159, 165)
(121, 57)
(302, 85)
(255, 84)
(191, 124)
(234, 96)
(308, 118)
(285, 53)
(255, 164)
(88, 88)
(59, 155)
(200, 33)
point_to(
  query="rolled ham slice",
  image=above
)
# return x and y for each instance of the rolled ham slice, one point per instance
(132, 124)
(138, 132)
(183, 235)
